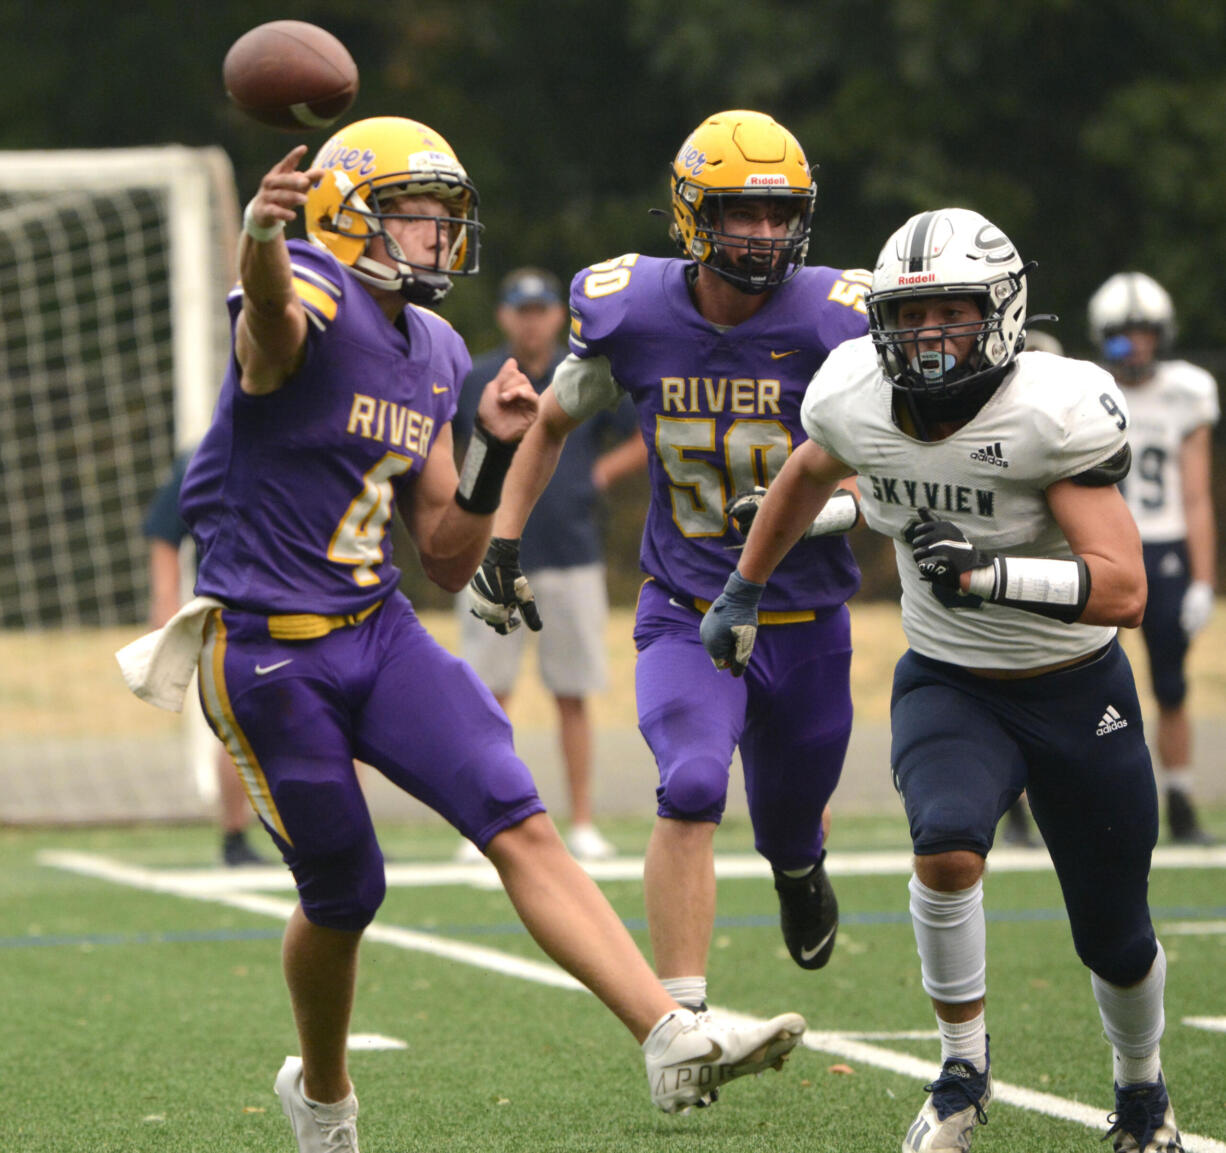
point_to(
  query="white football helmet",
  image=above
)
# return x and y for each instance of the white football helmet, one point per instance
(948, 252)
(1129, 300)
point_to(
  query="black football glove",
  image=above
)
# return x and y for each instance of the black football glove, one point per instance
(743, 507)
(941, 551)
(839, 514)
(498, 588)
(730, 626)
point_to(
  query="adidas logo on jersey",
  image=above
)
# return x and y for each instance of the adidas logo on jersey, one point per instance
(991, 454)
(1110, 722)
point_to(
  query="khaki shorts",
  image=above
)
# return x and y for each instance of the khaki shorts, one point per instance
(574, 607)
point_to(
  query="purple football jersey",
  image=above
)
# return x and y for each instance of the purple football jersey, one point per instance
(720, 411)
(289, 495)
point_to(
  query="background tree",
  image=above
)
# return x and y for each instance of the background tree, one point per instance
(1091, 133)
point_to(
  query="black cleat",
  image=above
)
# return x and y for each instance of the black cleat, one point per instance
(1018, 830)
(809, 915)
(1182, 819)
(236, 852)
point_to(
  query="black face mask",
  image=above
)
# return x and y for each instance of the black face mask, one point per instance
(954, 406)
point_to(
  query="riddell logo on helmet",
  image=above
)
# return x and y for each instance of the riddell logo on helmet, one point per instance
(918, 278)
(765, 180)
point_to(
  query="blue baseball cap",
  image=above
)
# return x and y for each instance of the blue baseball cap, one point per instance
(528, 286)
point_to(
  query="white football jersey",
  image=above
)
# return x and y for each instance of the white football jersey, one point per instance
(1051, 419)
(1178, 399)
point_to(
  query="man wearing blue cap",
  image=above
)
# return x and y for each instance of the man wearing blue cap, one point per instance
(561, 551)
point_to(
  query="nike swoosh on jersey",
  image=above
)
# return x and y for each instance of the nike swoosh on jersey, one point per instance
(264, 670)
(441, 388)
(780, 355)
(715, 1054)
(809, 954)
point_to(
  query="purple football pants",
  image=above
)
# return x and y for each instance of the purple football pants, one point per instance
(296, 714)
(790, 716)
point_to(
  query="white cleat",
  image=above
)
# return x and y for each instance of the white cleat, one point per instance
(318, 1128)
(689, 1057)
(468, 854)
(586, 844)
(957, 1104)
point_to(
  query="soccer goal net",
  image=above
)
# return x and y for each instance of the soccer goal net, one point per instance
(114, 266)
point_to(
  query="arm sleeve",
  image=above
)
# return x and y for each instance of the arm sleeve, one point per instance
(585, 387)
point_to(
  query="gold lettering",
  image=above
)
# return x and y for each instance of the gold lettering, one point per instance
(399, 415)
(768, 396)
(427, 431)
(413, 432)
(673, 394)
(715, 396)
(382, 415)
(361, 414)
(743, 396)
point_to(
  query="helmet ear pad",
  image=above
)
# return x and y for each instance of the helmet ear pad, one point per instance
(347, 233)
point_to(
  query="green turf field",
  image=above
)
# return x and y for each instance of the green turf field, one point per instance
(141, 1020)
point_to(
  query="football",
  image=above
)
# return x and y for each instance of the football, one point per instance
(290, 75)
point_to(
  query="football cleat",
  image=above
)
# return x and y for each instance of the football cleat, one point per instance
(809, 915)
(318, 1128)
(586, 843)
(957, 1102)
(1143, 1121)
(237, 852)
(689, 1057)
(1182, 818)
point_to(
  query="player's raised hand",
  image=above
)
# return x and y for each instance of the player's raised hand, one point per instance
(282, 192)
(499, 587)
(730, 626)
(509, 404)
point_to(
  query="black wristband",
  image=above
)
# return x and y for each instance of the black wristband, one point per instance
(1052, 588)
(485, 468)
(503, 550)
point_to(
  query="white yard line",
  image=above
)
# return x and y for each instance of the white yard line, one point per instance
(731, 866)
(222, 887)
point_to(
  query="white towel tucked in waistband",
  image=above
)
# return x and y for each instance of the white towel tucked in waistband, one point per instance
(158, 667)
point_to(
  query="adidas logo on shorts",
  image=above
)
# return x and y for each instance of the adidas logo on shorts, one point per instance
(1110, 722)
(991, 454)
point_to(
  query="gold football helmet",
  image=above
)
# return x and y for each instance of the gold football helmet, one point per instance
(369, 163)
(742, 154)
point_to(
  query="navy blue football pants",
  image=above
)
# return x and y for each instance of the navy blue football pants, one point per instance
(964, 748)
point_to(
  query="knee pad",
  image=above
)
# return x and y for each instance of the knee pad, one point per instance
(1121, 963)
(344, 890)
(694, 790)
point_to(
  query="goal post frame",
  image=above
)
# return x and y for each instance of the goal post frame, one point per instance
(201, 223)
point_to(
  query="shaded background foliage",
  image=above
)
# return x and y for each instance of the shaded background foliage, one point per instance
(1093, 134)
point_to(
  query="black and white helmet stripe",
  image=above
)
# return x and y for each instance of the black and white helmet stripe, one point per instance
(917, 245)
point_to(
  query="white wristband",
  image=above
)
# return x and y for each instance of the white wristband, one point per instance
(260, 232)
(983, 582)
(839, 514)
